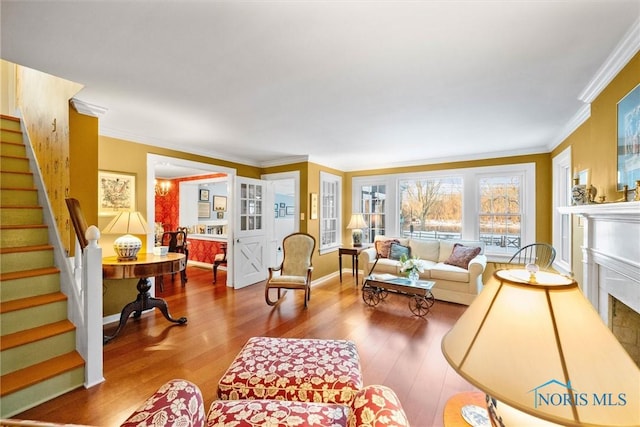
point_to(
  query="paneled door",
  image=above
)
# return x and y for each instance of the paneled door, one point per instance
(253, 197)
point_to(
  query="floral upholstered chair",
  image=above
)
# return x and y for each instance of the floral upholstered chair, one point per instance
(295, 270)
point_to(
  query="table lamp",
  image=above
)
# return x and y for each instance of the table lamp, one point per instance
(543, 356)
(127, 223)
(356, 224)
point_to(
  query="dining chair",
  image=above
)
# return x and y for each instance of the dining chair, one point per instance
(219, 259)
(177, 242)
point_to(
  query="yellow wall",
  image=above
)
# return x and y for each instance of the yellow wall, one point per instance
(594, 146)
(44, 102)
(118, 155)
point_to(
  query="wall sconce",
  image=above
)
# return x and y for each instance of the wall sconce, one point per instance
(162, 188)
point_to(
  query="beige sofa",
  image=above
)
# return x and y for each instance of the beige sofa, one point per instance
(452, 283)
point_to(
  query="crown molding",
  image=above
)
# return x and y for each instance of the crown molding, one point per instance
(574, 123)
(622, 54)
(284, 161)
(88, 109)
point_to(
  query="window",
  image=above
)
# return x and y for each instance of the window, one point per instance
(431, 208)
(372, 207)
(330, 211)
(495, 204)
(562, 228)
(500, 216)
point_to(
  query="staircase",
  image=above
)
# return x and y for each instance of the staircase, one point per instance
(38, 357)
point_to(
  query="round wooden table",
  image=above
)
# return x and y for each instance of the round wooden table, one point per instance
(453, 408)
(145, 266)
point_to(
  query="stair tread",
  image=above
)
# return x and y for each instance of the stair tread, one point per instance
(23, 378)
(8, 156)
(22, 226)
(18, 189)
(33, 248)
(29, 273)
(35, 334)
(18, 172)
(38, 300)
(7, 117)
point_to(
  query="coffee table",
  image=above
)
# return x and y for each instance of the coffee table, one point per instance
(376, 287)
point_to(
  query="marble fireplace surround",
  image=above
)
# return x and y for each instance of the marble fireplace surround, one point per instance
(611, 254)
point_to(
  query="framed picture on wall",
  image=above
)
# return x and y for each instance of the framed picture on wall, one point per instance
(204, 195)
(116, 192)
(219, 203)
(289, 210)
(629, 139)
(203, 210)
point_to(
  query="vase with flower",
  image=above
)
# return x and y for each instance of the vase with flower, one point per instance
(412, 267)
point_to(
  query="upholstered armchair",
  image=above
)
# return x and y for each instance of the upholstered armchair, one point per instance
(295, 269)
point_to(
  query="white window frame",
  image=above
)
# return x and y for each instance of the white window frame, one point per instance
(329, 178)
(562, 227)
(470, 198)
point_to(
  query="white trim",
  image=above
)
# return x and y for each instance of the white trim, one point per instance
(153, 159)
(561, 171)
(581, 116)
(329, 177)
(621, 55)
(88, 109)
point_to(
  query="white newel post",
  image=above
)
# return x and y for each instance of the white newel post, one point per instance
(92, 280)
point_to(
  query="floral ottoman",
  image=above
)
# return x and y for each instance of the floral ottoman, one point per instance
(306, 370)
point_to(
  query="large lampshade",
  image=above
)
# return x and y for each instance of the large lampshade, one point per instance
(536, 344)
(127, 223)
(356, 224)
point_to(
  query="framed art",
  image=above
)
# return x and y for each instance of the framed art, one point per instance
(629, 139)
(204, 195)
(203, 210)
(282, 205)
(281, 212)
(220, 215)
(116, 192)
(289, 210)
(219, 203)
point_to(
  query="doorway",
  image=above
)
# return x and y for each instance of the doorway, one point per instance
(170, 167)
(286, 211)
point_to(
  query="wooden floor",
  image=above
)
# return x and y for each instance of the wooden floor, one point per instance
(396, 348)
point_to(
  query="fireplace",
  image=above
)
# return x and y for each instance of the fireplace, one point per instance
(611, 267)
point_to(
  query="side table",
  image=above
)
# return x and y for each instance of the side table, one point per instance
(145, 266)
(452, 409)
(354, 251)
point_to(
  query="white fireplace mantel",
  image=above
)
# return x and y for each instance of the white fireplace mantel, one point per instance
(611, 253)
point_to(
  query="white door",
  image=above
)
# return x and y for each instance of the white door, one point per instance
(253, 213)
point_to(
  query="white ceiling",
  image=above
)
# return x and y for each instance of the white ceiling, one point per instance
(347, 84)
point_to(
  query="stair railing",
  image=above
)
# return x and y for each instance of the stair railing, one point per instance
(84, 299)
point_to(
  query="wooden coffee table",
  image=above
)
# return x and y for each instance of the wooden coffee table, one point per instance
(376, 287)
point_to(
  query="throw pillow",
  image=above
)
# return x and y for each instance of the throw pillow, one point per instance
(383, 247)
(397, 251)
(462, 255)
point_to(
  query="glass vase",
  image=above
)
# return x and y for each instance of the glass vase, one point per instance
(413, 276)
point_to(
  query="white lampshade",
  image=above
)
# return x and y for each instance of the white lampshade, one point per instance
(127, 223)
(537, 346)
(356, 224)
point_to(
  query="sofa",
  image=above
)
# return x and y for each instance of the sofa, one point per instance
(456, 266)
(179, 403)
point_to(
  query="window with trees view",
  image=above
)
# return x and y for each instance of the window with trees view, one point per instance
(495, 204)
(431, 208)
(500, 211)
